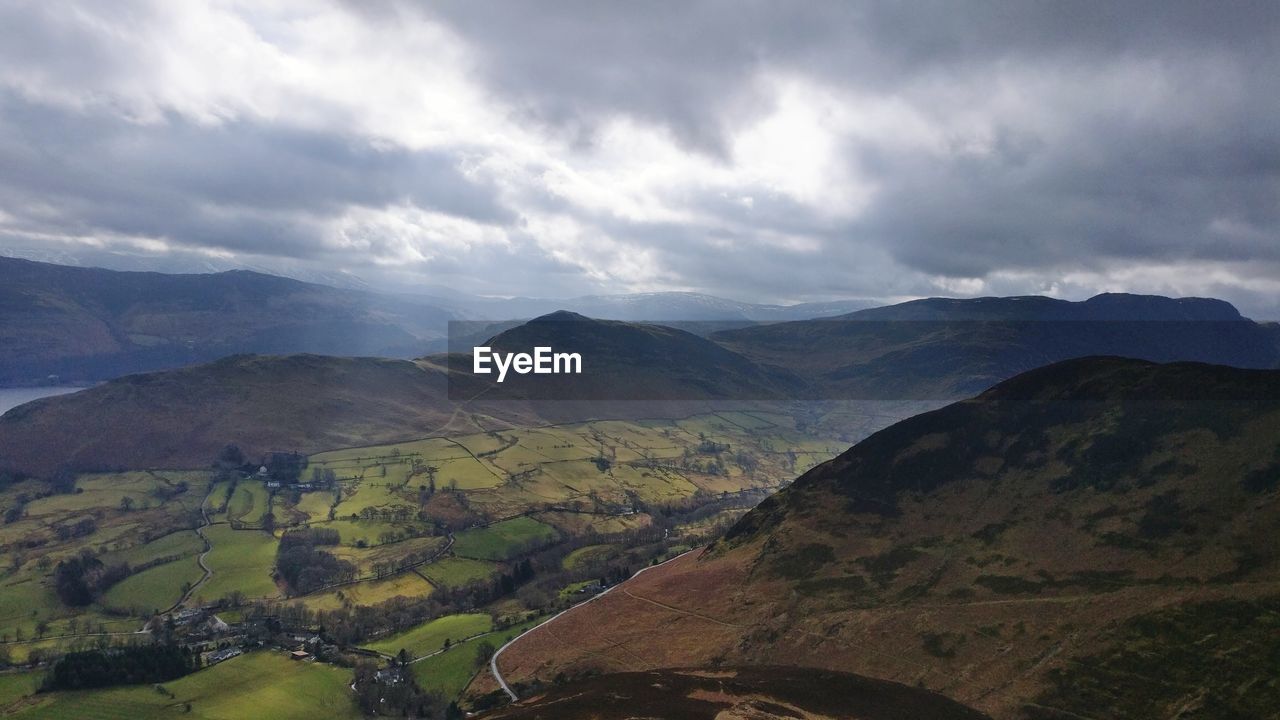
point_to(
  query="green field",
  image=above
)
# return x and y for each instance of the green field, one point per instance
(315, 505)
(156, 588)
(450, 672)
(353, 531)
(249, 502)
(457, 571)
(369, 592)
(17, 685)
(257, 685)
(586, 555)
(181, 544)
(502, 540)
(430, 636)
(241, 560)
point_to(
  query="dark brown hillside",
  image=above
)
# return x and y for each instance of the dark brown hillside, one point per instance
(1042, 550)
(84, 324)
(636, 362)
(181, 418)
(746, 693)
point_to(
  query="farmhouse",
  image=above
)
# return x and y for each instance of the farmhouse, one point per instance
(299, 655)
(216, 657)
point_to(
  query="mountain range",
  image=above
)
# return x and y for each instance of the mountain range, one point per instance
(948, 348)
(88, 324)
(630, 370)
(80, 324)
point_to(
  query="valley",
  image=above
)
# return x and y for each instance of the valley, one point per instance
(843, 360)
(503, 526)
(422, 531)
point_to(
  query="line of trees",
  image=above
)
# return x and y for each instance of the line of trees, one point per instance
(80, 579)
(151, 663)
(304, 567)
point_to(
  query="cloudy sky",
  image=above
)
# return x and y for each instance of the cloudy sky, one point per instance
(765, 151)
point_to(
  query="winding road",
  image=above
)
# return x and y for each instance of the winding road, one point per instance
(493, 662)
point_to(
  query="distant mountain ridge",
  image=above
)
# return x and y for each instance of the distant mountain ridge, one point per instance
(1099, 308)
(948, 348)
(659, 307)
(85, 324)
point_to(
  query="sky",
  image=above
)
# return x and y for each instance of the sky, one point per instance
(763, 151)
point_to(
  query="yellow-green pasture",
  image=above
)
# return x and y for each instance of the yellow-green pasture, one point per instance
(264, 684)
(431, 635)
(240, 560)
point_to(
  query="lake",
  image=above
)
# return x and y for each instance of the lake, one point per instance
(13, 397)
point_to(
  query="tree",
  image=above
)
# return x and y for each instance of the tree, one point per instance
(229, 457)
(63, 481)
(126, 503)
(484, 652)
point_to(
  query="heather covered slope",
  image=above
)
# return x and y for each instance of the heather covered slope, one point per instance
(747, 693)
(1013, 551)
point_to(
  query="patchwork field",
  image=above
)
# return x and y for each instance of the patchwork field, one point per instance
(391, 505)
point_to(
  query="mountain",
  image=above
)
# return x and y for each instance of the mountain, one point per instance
(182, 418)
(1093, 539)
(634, 361)
(85, 324)
(747, 693)
(948, 348)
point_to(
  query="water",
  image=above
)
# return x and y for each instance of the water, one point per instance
(13, 397)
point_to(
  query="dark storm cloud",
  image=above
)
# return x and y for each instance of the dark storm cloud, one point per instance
(687, 64)
(246, 186)
(1184, 164)
(1029, 145)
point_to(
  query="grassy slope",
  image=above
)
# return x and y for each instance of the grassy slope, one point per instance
(241, 560)
(500, 540)
(264, 684)
(459, 571)
(430, 636)
(155, 588)
(450, 672)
